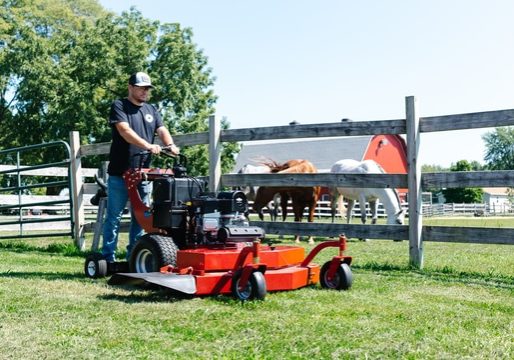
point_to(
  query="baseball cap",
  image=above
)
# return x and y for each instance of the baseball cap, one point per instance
(140, 79)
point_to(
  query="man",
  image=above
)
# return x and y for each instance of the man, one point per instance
(134, 124)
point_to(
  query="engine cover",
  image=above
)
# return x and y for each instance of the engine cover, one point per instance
(175, 191)
(171, 196)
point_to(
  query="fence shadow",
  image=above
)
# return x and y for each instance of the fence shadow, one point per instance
(445, 274)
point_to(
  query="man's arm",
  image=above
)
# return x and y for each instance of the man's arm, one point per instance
(167, 140)
(133, 138)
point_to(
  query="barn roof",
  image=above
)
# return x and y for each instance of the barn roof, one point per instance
(321, 152)
(496, 191)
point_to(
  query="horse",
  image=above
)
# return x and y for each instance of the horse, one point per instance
(251, 191)
(301, 197)
(388, 197)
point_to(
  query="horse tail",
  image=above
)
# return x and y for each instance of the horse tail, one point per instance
(398, 199)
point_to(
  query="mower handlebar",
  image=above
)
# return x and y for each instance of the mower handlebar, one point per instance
(166, 151)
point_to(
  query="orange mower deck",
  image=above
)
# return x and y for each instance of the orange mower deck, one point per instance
(213, 269)
(205, 271)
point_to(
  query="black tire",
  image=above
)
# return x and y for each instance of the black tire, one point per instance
(255, 289)
(152, 252)
(95, 266)
(342, 280)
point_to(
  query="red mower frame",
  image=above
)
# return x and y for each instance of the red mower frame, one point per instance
(232, 261)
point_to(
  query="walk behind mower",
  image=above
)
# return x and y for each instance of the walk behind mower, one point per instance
(201, 243)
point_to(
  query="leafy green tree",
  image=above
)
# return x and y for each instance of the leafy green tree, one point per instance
(62, 63)
(433, 168)
(463, 195)
(500, 148)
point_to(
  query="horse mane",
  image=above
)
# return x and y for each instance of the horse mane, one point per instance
(299, 165)
(261, 160)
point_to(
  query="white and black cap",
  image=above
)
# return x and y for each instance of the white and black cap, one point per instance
(140, 79)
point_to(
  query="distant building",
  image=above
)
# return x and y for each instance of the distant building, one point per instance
(497, 199)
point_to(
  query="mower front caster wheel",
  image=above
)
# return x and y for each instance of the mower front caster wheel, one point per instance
(254, 289)
(342, 279)
(95, 266)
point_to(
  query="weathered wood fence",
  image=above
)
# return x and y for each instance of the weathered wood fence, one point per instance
(413, 126)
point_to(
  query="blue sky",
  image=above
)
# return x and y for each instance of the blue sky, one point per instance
(318, 62)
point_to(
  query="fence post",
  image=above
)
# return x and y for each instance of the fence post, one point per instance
(77, 190)
(214, 153)
(414, 182)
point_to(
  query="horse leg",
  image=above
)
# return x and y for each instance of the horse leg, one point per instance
(373, 205)
(257, 207)
(297, 210)
(340, 205)
(349, 210)
(272, 211)
(284, 198)
(312, 210)
(362, 205)
(276, 204)
(334, 197)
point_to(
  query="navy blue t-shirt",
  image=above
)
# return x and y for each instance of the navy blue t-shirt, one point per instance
(144, 120)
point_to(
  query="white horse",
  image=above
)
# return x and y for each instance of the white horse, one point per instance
(388, 197)
(251, 191)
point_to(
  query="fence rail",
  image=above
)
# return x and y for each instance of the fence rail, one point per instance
(413, 126)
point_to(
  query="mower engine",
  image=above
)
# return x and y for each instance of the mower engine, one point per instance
(181, 208)
(223, 218)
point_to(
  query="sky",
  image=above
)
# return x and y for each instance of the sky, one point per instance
(277, 61)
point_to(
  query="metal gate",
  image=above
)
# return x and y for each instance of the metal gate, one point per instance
(27, 215)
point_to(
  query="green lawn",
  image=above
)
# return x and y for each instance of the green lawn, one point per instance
(461, 305)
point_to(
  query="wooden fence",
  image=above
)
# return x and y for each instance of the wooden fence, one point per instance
(413, 126)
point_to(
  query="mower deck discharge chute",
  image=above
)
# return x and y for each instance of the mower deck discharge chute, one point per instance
(200, 243)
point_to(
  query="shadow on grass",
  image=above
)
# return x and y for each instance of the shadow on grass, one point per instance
(142, 294)
(444, 274)
(137, 295)
(42, 275)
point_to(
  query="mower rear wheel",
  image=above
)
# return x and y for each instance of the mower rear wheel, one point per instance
(342, 279)
(254, 289)
(95, 266)
(152, 252)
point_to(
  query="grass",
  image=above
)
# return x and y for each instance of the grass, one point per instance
(461, 305)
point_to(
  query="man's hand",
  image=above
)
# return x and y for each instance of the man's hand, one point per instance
(172, 148)
(154, 148)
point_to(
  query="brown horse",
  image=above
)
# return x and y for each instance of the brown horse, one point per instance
(301, 197)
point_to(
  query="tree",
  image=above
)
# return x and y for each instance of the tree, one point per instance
(463, 195)
(62, 63)
(432, 168)
(500, 148)
(180, 93)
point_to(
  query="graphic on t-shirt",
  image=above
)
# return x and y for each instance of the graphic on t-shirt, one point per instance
(149, 118)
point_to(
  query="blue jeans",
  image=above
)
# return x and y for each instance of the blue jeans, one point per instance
(116, 201)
